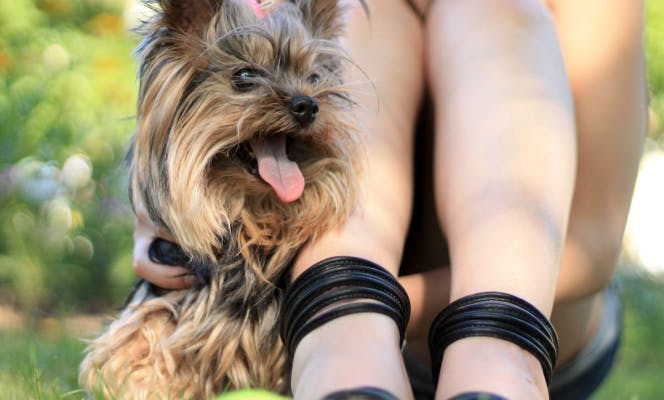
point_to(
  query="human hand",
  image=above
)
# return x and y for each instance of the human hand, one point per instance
(148, 240)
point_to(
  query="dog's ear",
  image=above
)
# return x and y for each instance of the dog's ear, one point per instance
(188, 16)
(323, 17)
(193, 17)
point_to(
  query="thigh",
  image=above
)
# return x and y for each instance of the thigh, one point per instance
(386, 79)
(601, 41)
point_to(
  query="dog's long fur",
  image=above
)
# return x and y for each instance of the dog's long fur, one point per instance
(186, 169)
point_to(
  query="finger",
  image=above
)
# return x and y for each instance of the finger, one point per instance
(164, 276)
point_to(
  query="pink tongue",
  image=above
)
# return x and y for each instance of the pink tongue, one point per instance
(276, 169)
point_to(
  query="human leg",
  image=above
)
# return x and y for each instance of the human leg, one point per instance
(603, 50)
(363, 349)
(610, 100)
(505, 158)
(607, 82)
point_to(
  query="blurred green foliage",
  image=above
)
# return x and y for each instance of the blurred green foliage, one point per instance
(67, 99)
(638, 369)
(655, 62)
(655, 44)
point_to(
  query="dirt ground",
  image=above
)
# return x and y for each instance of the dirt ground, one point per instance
(78, 325)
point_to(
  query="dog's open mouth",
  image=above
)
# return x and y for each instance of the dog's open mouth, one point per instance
(266, 157)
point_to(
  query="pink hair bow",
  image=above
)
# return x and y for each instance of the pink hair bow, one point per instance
(257, 7)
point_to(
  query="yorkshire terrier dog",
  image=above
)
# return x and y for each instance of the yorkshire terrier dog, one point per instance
(243, 152)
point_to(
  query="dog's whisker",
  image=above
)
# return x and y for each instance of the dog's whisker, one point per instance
(369, 80)
(348, 91)
(353, 83)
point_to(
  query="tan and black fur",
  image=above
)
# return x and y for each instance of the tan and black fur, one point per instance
(199, 114)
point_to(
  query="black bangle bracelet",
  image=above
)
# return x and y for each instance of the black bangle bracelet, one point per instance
(499, 315)
(336, 287)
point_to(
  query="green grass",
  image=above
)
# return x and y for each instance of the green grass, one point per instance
(37, 364)
(637, 374)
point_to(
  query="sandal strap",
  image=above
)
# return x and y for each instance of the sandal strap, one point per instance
(477, 396)
(336, 287)
(363, 393)
(499, 315)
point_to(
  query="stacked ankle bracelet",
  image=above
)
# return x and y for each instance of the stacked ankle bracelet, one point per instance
(336, 287)
(499, 315)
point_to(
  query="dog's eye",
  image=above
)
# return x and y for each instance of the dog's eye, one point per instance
(243, 79)
(314, 79)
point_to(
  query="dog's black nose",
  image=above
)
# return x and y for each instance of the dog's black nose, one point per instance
(304, 109)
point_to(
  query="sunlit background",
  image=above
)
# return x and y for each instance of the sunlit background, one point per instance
(67, 99)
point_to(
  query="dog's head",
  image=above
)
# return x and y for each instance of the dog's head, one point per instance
(242, 131)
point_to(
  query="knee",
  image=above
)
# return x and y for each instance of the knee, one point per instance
(589, 261)
(530, 15)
